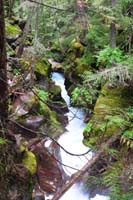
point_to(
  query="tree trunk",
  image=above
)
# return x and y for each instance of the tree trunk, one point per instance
(86, 167)
(25, 32)
(20, 10)
(3, 71)
(10, 4)
(36, 24)
(113, 29)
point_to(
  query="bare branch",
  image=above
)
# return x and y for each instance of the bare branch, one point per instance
(52, 139)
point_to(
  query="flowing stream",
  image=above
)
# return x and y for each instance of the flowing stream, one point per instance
(71, 140)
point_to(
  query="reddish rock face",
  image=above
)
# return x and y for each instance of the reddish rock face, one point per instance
(48, 172)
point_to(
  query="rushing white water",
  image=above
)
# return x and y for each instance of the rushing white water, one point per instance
(71, 140)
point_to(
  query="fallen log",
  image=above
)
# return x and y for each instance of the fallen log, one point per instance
(87, 166)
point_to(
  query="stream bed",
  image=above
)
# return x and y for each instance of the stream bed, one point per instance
(71, 140)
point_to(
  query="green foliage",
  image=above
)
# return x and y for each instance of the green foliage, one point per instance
(117, 120)
(129, 112)
(43, 97)
(87, 93)
(128, 134)
(108, 56)
(111, 176)
(2, 141)
(16, 72)
(127, 138)
(97, 35)
(12, 30)
(81, 96)
(75, 95)
(88, 128)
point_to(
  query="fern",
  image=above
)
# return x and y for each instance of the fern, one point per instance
(107, 56)
(116, 120)
(88, 128)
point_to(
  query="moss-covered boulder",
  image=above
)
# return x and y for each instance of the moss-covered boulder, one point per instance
(81, 67)
(109, 115)
(12, 32)
(51, 124)
(57, 53)
(77, 47)
(55, 92)
(42, 67)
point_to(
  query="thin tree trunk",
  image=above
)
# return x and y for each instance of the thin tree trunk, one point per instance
(20, 10)
(86, 167)
(81, 20)
(10, 7)
(130, 31)
(113, 29)
(25, 32)
(3, 72)
(36, 24)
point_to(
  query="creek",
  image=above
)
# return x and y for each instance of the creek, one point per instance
(71, 140)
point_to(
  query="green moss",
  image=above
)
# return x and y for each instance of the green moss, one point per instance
(58, 68)
(54, 126)
(29, 159)
(42, 67)
(55, 92)
(12, 30)
(80, 69)
(51, 121)
(77, 45)
(30, 162)
(110, 114)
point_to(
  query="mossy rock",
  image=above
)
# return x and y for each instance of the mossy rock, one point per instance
(30, 162)
(80, 69)
(55, 48)
(43, 67)
(58, 68)
(108, 114)
(57, 54)
(12, 31)
(29, 40)
(50, 121)
(55, 92)
(14, 20)
(77, 46)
